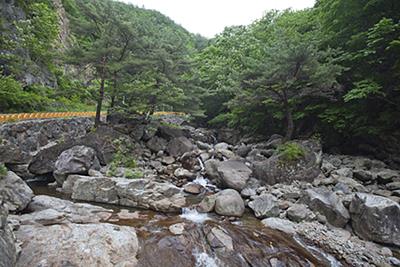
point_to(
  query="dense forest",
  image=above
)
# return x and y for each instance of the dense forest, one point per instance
(331, 71)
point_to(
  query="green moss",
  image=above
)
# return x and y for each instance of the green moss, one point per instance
(3, 170)
(171, 125)
(290, 152)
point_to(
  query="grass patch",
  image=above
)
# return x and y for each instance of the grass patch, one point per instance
(133, 174)
(291, 151)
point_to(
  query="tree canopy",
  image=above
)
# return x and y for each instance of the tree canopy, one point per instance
(331, 70)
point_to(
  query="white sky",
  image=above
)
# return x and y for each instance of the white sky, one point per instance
(209, 17)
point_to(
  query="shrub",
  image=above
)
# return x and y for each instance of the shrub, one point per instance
(122, 157)
(291, 151)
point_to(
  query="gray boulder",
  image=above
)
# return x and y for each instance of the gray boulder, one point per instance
(139, 193)
(48, 210)
(328, 204)
(264, 206)
(76, 160)
(100, 140)
(299, 212)
(363, 175)
(210, 167)
(16, 194)
(233, 174)
(207, 204)
(376, 218)
(282, 225)
(8, 252)
(156, 144)
(386, 176)
(179, 146)
(229, 203)
(77, 245)
(169, 132)
(277, 169)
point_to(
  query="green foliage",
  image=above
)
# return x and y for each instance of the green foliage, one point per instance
(363, 89)
(40, 31)
(290, 151)
(122, 156)
(133, 174)
(3, 170)
(268, 72)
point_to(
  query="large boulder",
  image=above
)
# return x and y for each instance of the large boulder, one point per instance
(179, 146)
(279, 169)
(376, 218)
(50, 210)
(210, 167)
(101, 140)
(77, 245)
(229, 203)
(327, 203)
(170, 131)
(139, 193)
(156, 144)
(264, 206)
(8, 254)
(233, 174)
(76, 160)
(15, 192)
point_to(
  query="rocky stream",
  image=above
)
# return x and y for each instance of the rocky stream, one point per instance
(135, 192)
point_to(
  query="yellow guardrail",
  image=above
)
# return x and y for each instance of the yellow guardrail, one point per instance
(44, 115)
(48, 115)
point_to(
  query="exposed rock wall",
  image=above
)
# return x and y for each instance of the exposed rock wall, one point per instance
(21, 141)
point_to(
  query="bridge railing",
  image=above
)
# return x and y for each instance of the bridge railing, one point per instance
(49, 115)
(44, 115)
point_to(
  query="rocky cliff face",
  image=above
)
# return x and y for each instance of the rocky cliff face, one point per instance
(64, 34)
(15, 57)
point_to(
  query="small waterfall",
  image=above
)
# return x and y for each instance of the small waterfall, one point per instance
(204, 260)
(191, 214)
(201, 164)
(201, 181)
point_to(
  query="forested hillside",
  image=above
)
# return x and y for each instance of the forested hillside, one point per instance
(333, 68)
(55, 55)
(331, 71)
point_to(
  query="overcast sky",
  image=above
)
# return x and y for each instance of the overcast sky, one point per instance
(209, 17)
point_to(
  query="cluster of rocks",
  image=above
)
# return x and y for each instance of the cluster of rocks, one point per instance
(337, 202)
(352, 195)
(56, 232)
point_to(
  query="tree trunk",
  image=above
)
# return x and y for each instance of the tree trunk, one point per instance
(112, 104)
(289, 125)
(289, 117)
(99, 102)
(101, 92)
(114, 90)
